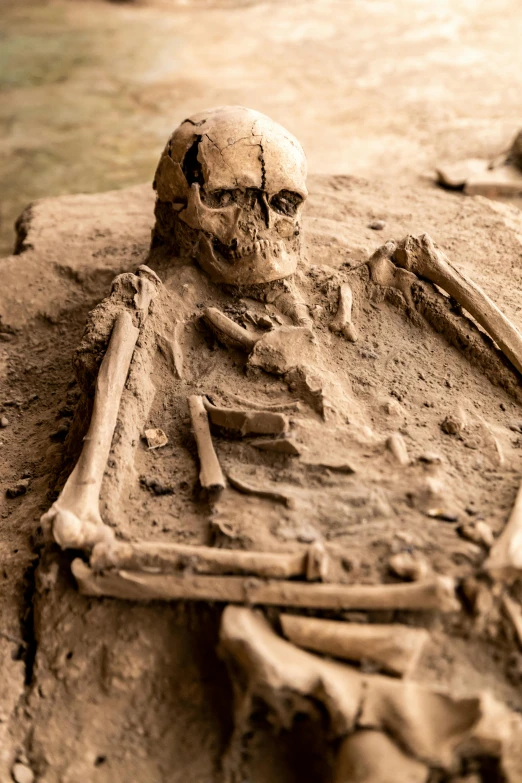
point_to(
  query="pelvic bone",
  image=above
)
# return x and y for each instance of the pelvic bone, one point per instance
(230, 185)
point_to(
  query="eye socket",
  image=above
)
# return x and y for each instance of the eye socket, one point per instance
(286, 202)
(219, 198)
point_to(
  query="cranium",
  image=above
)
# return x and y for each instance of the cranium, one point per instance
(230, 186)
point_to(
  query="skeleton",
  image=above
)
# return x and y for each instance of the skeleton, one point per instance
(230, 191)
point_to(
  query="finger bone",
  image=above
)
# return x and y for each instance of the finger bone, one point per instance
(342, 323)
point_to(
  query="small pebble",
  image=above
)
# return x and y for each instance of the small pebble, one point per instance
(430, 457)
(409, 566)
(20, 488)
(4, 422)
(377, 225)
(452, 425)
(444, 514)
(22, 773)
(515, 426)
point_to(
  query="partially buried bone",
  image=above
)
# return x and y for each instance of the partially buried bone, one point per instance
(419, 255)
(259, 491)
(434, 594)
(172, 558)
(228, 331)
(369, 756)
(75, 518)
(342, 323)
(398, 448)
(247, 422)
(429, 724)
(505, 558)
(210, 474)
(396, 648)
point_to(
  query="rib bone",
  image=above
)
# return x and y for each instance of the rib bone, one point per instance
(210, 475)
(419, 255)
(396, 648)
(434, 594)
(342, 323)
(505, 557)
(74, 518)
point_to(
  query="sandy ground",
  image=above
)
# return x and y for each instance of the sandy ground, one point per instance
(91, 90)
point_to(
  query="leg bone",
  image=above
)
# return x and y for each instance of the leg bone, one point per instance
(74, 518)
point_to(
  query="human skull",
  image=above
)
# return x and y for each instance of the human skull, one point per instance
(230, 186)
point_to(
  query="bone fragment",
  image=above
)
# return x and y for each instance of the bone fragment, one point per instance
(75, 518)
(419, 255)
(275, 407)
(228, 331)
(418, 596)
(277, 445)
(372, 757)
(397, 446)
(155, 438)
(210, 475)
(172, 353)
(429, 724)
(318, 563)
(247, 422)
(258, 491)
(505, 558)
(514, 612)
(409, 566)
(342, 323)
(173, 558)
(396, 648)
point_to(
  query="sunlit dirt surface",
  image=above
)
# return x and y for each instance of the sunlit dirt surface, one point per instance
(91, 90)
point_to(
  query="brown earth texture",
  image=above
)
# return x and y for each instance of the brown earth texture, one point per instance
(97, 689)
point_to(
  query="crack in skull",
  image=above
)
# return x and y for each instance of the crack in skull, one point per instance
(230, 195)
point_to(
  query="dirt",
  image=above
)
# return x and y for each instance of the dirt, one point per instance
(91, 90)
(102, 690)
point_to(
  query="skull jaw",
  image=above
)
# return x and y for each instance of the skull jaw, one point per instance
(252, 269)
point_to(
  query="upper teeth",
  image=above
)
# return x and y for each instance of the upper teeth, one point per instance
(259, 246)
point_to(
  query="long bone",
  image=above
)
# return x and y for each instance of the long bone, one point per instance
(210, 474)
(430, 724)
(437, 593)
(74, 518)
(420, 256)
(396, 648)
(505, 557)
(172, 557)
(228, 331)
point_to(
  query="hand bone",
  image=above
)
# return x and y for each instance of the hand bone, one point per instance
(342, 323)
(419, 255)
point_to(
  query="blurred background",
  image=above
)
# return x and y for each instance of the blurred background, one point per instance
(91, 89)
